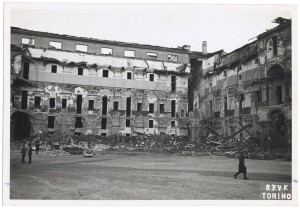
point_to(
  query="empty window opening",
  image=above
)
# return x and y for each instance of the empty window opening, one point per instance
(51, 120)
(172, 124)
(52, 102)
(53, 69)
(103, 123)
(129, 75)
(139, 107)
(127, 135)
(162, 108)
(105, 73)
(56, 45)
(274, 39)
(106, 51)
(128, 106)
(80, 71)
(81, 48)
(79, 104)
(116, 106)
(26, 70)
(151, 77)
(151, 124)
(173, 58)
(24, 99)
(127, 122)
(28, 41)
(64, 103)
(225, 105)
(173, 108)
(151, 107)
(152, 56)
(258, 96)
(104, 105)
(129, 53)
(37, 102)
(279, 95)
(91, 105)
(78, 123)
(210, 108)
(103, 134)
(182, 113)
(173, 83)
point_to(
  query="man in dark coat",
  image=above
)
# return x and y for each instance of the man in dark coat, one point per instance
(242, 167)
(29, 152)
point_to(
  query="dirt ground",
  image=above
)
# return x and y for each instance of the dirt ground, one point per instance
(141, 177)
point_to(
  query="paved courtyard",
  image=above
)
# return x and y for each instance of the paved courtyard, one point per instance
(141, 177)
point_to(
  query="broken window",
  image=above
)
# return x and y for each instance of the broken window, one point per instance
(127, 122)
(78, 123)
(82, 48)
(105, 73)
(172, 124)
(129, 75)
(173, 83)
(24, 99)
(139, 107)
(152, 56)
(104, 105)
(151, 107)
(53, 69)
(274, 39)
(52, 102)
(80, 71)
(51, 120)
(279, 95)
(106, 51)
(37, 102)
(64, 103)
(173, 58)
(116, 106)
(173, 108)
(27, 41)
(129, 53)
(128, 106)
(56, 45)
(151, 124)
(25, 70)
(103, 123)
(151, 77)
(161, 108)
(79, 104)
(182, 113)
(91, 105)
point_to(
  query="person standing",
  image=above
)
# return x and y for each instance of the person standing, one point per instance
(23, 153)
(29, 152)
(37, 146)
(242, 167)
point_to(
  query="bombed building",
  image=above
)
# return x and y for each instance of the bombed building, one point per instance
(77, 85)
(246, 93)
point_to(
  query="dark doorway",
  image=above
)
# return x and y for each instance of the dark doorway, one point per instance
(26, 70)
(104, 105)
(79, 104)
(78, 123)
(173, 108)
(51, 120)
(24, 99)
(20, 125)
(103, 123)
(128, 106)
(52, 102)
(279, 95)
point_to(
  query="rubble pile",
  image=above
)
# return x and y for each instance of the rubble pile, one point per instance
(55, 153)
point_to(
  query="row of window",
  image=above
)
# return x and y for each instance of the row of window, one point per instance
(103, 51)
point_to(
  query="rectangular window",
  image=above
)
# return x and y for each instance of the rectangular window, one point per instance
(225, 105)
(24, 99)
(37, 102)
(151, 107)
(28, 41)
(80, 71)
(105, 73)
(103, 123)
(279, 95)
(82, 48)
(78, 123)
(128, 106)
(64, 103)
(127, 122)
(51, 120)
(172, 124)
(79, 104)
(150, 124)
(106, 51)
(139, 107)
(225, 73)
(274, 39)
(182, 113)
(173, 83)
(161, 108)
(104, 105)
(53, 69)
(173, 108)
(173, 58)
(52, 102)
(258, 97)
(91, 105)
(151, 77)
(116, 106)
(128, 75)
(152, 56)
(26, 70)
(56, 45)
(129, 53)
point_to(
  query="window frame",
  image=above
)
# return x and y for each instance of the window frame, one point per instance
(114, 105)
(79, 72)
(51, 46)
(39, 101)
(62, 103)
(151, 76)
(130, 75)
(29, 39)
(107, 54)
(172, 55)
(152, 124)
(80, 45)
(151, 107)
(148, 56)
(91, 105)
(53, 104)
(128, 56)
(173, 124)
(54, 69)
(106, 70)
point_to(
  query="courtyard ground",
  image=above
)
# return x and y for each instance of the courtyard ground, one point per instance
(141, 177)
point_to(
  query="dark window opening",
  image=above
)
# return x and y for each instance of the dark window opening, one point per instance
(80, 71)
(210, 108)
(279, 95)
(116, 106)
(256, 60)
(26, 70)
(64, 103)
(51, 120)
(52, 102)
(241, 99)
(128, 75)
(53, 69)
(103, 123)
(128, 106)
(225, 105)
(151, 77)
(127, 122)
(104, 105)
(258, 97)
(173, 83)
(79, 104)
(139, 107)
(78, 123)
(105, 73)
(103, 134)
(127, 135)
(172, 123)
(274, 39)
(91, 105)
(151, 124)
(182, 113)
(173, 108)
(24, 99)
(162, 108)
(151, 108)
(37, 102)
(225, 73)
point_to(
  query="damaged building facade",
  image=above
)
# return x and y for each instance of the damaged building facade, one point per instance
(246, 92)
(78, 85)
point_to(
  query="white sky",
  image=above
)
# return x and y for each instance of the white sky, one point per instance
(223, 26)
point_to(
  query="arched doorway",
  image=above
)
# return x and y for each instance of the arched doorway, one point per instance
(21, 126)
(276, 72)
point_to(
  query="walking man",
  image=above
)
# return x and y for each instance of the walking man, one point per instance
(242, 167)
(23, 153)
(29, 152)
